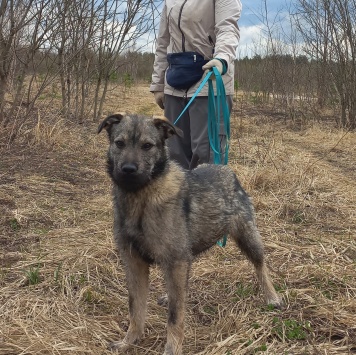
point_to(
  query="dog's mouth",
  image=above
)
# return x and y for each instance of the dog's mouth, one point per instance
(131, 181)
(129, 177)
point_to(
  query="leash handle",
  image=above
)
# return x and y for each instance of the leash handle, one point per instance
(214, 114)
(218, 105)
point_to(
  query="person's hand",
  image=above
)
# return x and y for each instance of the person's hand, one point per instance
(159, 97)
(213, 63)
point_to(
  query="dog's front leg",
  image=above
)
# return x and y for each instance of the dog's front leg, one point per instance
(137, 272)
(176, 275)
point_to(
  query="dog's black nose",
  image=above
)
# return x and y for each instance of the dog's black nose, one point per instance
(129, 168)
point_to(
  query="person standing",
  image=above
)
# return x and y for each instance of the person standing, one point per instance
(194, 36)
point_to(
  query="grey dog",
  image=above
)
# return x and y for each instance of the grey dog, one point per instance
(167, 216)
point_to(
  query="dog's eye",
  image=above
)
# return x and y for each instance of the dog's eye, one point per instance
(147, 146)
(120, 144)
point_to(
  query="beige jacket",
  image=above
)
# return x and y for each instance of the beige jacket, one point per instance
(197, 25)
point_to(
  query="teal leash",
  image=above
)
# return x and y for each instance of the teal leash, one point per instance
(207, 77)
(216, 104)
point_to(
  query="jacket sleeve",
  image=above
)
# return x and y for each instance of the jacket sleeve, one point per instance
(227, 13)
(160, 64)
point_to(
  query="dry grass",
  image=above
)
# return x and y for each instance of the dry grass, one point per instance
(62, 288)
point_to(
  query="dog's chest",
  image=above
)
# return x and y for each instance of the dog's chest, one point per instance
(141, 221)
(151, 229)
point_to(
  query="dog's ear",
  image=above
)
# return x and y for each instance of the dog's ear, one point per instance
(109, 121)
(167, 128)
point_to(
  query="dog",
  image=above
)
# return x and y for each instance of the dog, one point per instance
(165, 215)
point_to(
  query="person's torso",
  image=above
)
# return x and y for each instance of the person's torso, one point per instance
(191, 26)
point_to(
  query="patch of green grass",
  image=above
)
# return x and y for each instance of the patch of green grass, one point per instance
(92, 296)
(299, 217)
(242, 291)
(56, 273)
(256, 325)
(88, 296)
(82, 279)
(14, 224)
(268, 308)
(327, 294)
(290, 329)
(256, 350)
(261, 348)
(78, 279)
(280, 287)
(32, 275)
(210, 309)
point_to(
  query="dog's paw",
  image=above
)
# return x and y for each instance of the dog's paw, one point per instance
(169, 351)
(276, 302)
(121, 345)
(163, 301)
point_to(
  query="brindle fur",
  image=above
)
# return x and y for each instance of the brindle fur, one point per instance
(167, 216)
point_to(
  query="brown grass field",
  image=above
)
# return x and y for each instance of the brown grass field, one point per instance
(62, 288)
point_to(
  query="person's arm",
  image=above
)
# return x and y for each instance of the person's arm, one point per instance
(227, 13)
(160, 64)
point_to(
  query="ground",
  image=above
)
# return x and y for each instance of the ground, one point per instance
(62, 288)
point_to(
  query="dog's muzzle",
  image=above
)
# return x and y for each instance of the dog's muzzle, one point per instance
(129, 178)
(129, 168)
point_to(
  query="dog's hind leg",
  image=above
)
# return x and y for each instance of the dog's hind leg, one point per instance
(137, 272)
(247, 237)
(176, 276)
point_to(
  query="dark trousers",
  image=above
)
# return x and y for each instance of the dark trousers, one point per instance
(194, 148)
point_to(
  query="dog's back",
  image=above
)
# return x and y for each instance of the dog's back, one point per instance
(214, 200)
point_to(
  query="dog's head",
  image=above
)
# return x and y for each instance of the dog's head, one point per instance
(137, 152)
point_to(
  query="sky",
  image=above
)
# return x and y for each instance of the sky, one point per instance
(252, 25)
(253, 19)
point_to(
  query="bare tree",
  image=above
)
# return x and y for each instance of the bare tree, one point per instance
(279, 75)
(329, 31)
(34, 38)
(14, 17)
(78, 25)
(124, 25)
(24, 39)
(92, 38)
(80, 44)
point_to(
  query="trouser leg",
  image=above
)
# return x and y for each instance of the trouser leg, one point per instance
(194, 148)
(201, 150)
(179, 147)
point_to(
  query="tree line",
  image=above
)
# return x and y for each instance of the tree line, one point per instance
(77, 49)
(309, 57)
